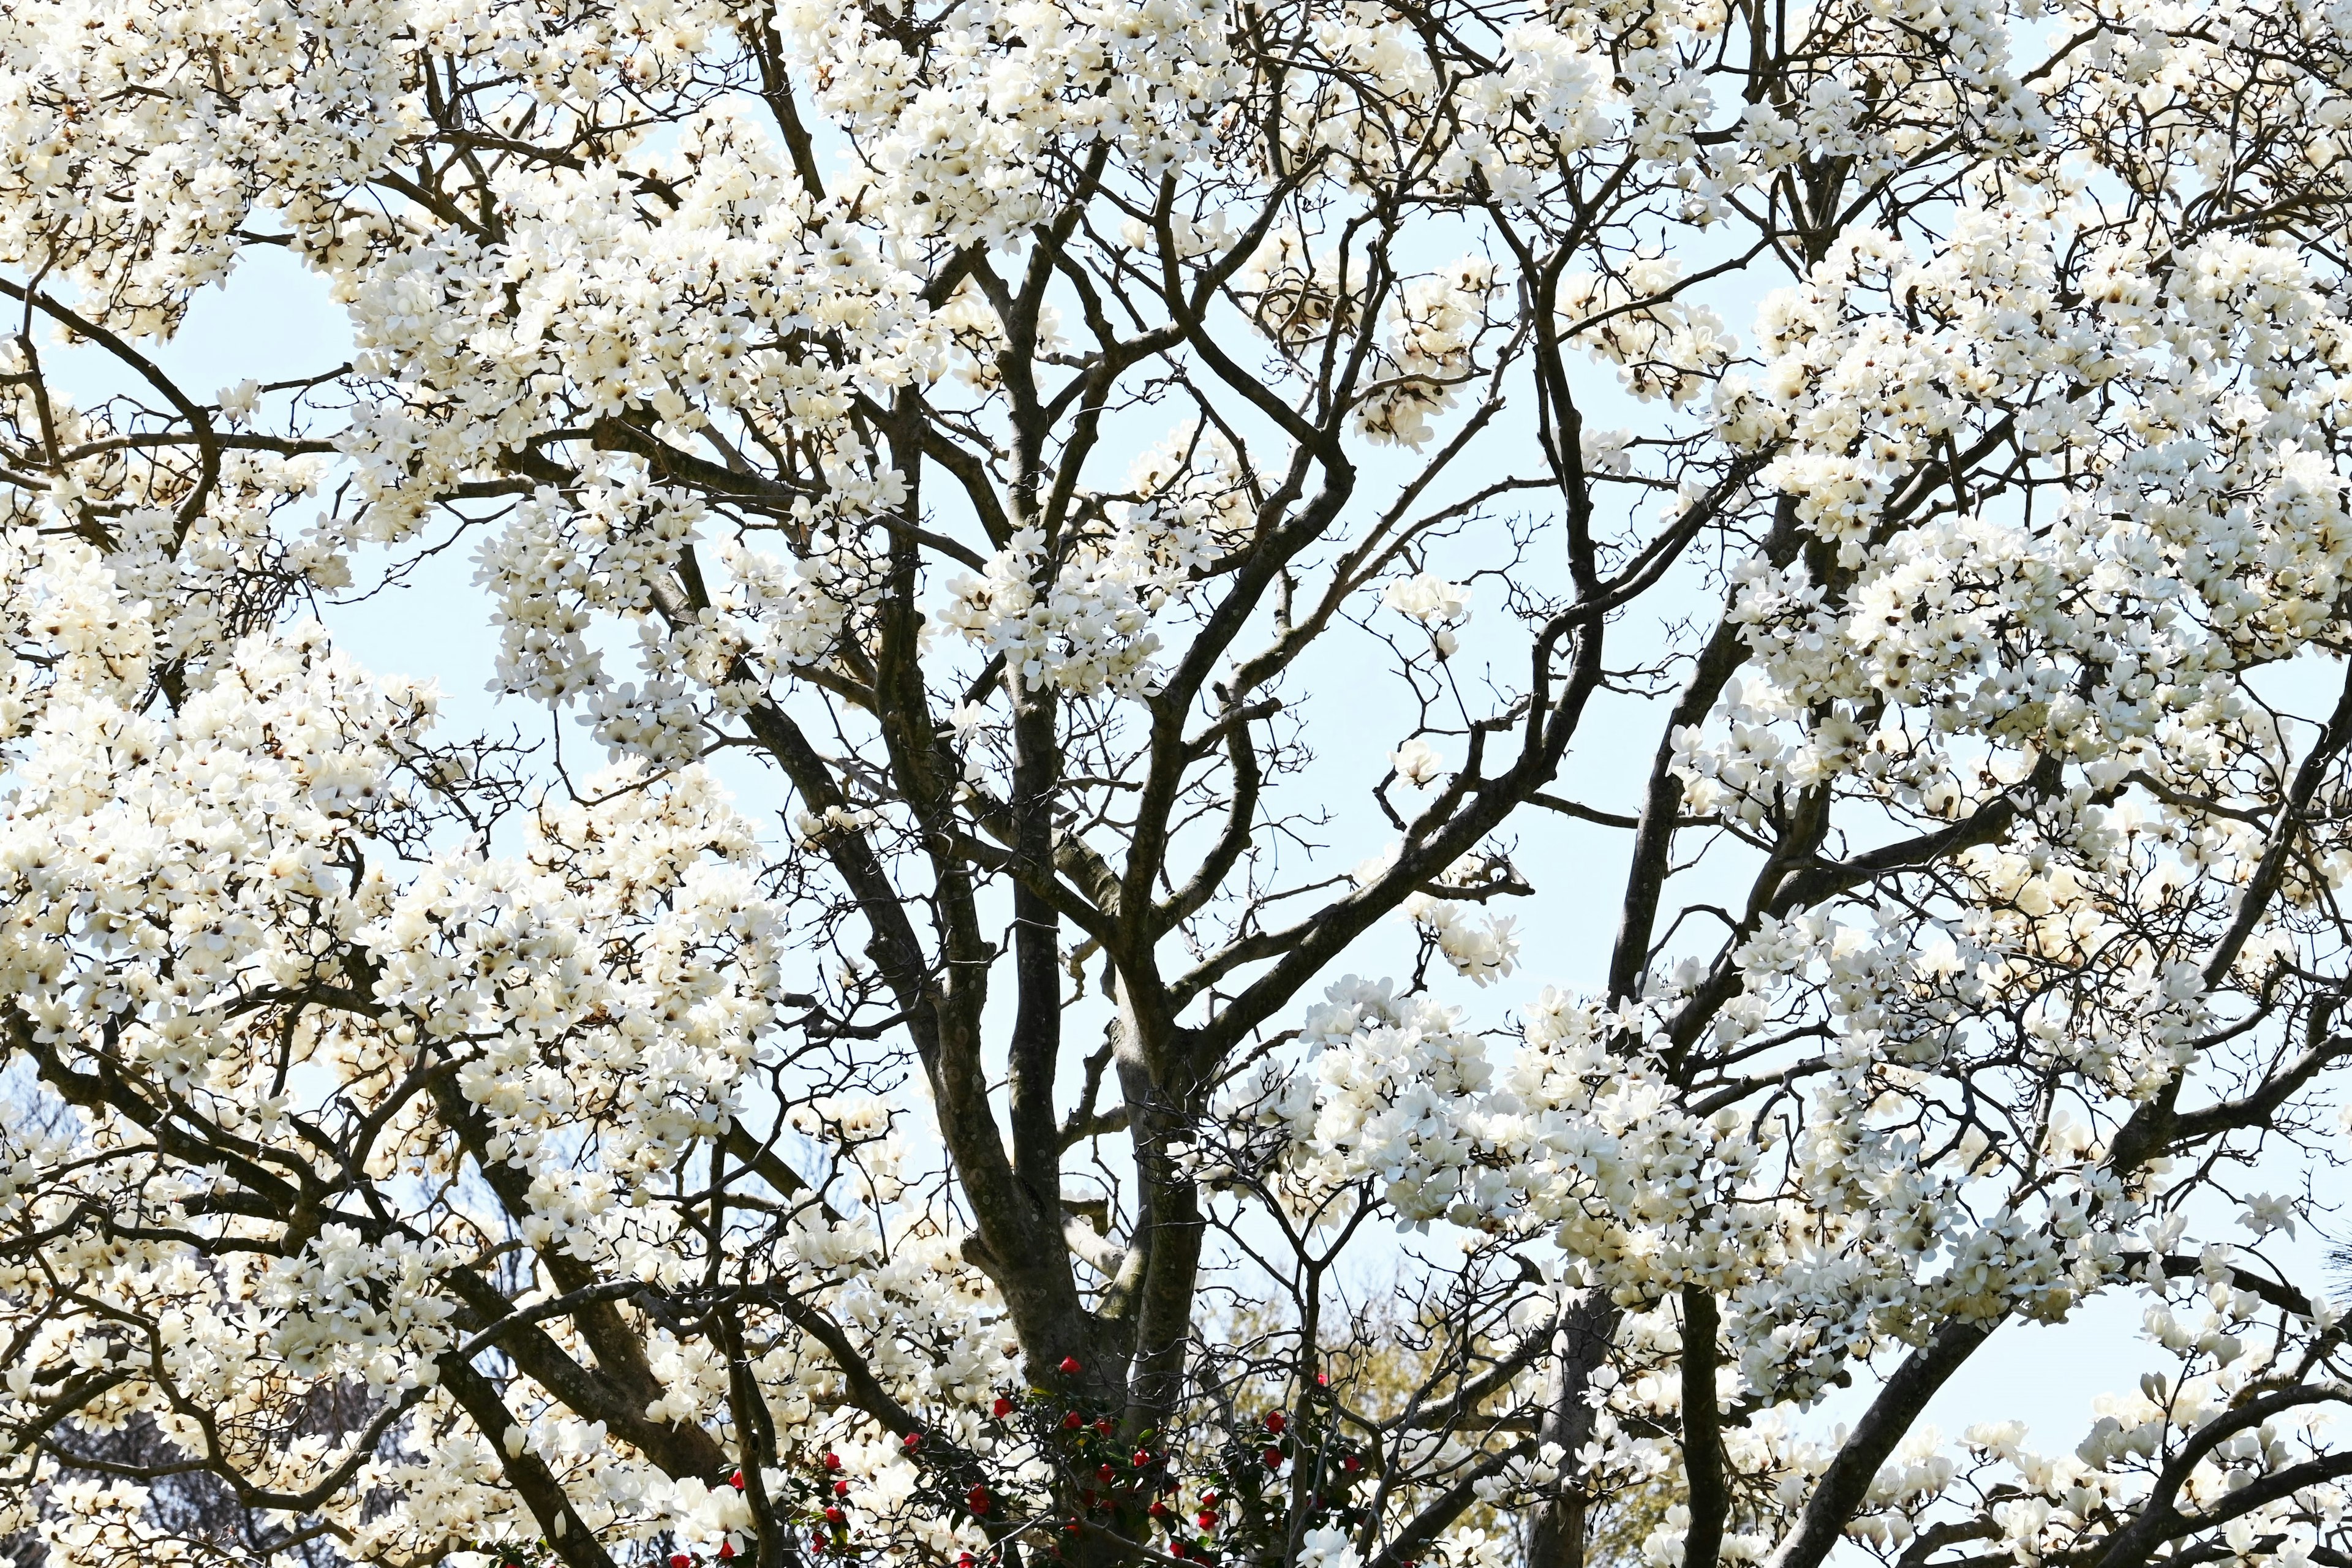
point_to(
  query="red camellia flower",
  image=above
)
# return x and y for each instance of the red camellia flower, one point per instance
(1176, 1549)
(680, 1560)
(835, 1516)
(1352, 1463)
(1207, 1521)
(966, 1560)
(833, 1461)
(1276, 1421)
(1273, 1459)
(1073, 1421)
(1104, 1426)
(1001, 1408)
(1158, 1510)
(913, 1439)
(1070, 1366)
(841, 1488)
(726, 1550)
(1208, 1498)
(978, 1498)
(736, 1480)
(1141, 1458)
(1105, 1474)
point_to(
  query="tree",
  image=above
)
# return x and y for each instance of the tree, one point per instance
(1007, 485)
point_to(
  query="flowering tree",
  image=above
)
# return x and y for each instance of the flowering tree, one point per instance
(1007, 484)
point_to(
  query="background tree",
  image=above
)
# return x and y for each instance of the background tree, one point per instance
(1007, 487)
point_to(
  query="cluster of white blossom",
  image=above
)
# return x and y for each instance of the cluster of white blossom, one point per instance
(1663, 346)
(1083, 621)
(1434, 329)
(608, 985)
